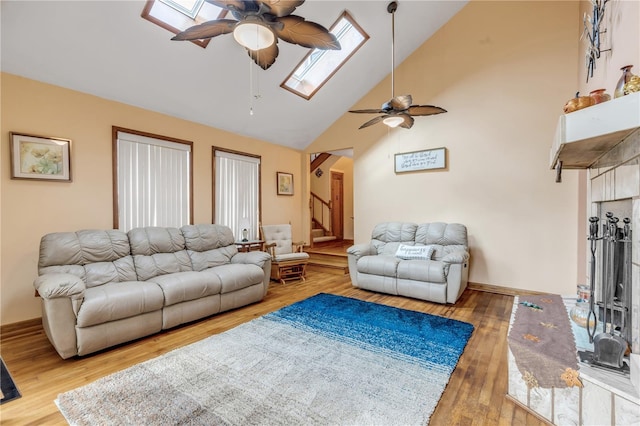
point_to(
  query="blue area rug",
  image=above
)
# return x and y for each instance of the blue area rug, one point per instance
(325, 360)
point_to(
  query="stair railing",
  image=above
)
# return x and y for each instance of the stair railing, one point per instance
(321, 212)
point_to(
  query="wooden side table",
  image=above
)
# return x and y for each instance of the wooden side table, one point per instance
(251, 245)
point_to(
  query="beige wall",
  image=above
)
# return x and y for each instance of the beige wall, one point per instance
(34, 208)
(503, 70)
(619, 47)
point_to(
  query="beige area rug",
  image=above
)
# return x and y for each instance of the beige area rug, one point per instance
(326, 360)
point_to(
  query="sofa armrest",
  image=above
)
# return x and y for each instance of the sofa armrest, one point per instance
(360, 250)
(52, 286)
(253, 257)
(458, 256)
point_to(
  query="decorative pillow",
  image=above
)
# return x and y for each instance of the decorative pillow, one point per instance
(414, 252)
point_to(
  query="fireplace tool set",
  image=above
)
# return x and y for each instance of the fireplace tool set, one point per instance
(610, 344)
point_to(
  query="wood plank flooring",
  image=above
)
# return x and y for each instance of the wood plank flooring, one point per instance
(474, 395)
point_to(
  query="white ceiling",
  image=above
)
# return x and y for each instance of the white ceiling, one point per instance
(106, 49)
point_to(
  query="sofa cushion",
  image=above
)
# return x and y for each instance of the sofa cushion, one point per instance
(158, 251)
(114, 301)
(237, 276)
(378, 265)
(184, 286)
(444, 234)
(209, 245)
(207, 236)
(96, 256)
(105, 272)
(386, 237)
(423, 270)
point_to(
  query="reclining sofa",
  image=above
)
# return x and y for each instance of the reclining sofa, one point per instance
(429, 261)
(100, 288)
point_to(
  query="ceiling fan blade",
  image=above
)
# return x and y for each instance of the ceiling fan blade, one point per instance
(306, 33)
(373, 121)
(265, 57)
(400, 103)
(408, 121)
(281, 8)
(207, 30)
(368, 111)
(419, 110)
(229, 4)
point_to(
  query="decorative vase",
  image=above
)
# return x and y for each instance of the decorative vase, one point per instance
(580, 314)
(633, 85)
(626, 76)
(599, 95)
(245, 235)
(579, 102)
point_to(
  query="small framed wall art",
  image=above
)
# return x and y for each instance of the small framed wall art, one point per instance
(428, 159)
(285, 183)
(40, 158)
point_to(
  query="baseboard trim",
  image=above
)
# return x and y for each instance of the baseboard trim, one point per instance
(21, 328)
(507, 291)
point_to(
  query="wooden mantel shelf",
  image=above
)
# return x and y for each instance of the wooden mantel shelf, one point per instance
(583, 136)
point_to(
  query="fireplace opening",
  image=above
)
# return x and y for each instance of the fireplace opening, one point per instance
(611, 235)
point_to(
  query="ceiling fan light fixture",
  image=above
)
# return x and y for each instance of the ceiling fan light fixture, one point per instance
(253, 36)
(393, 121)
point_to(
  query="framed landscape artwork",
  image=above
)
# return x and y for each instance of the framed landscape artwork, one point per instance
(285, 183)
(40, 158)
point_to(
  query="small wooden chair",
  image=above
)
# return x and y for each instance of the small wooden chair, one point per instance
(288, 261)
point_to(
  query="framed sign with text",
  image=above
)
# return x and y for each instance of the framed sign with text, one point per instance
(427, 159)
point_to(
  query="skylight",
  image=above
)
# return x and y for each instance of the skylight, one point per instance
(178, 15)
(319, 66)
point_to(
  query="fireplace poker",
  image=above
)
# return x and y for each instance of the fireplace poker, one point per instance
(593, 236)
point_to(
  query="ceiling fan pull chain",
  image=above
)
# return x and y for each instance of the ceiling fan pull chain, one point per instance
(250, 87)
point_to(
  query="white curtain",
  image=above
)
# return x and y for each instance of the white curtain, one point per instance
(153, 182)
(237, 188)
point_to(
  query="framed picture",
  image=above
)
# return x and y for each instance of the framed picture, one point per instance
(285, 183)
(40, 158)
(427, 159)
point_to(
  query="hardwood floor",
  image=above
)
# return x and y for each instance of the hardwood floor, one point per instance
(475, 394)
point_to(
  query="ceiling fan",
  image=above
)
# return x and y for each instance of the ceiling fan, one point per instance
(259, 24)
(398, 112)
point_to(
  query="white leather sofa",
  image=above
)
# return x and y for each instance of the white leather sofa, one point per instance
(100, 288)
(440, 276)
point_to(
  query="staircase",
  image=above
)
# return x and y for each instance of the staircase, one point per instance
(319, 235)
(330, 257)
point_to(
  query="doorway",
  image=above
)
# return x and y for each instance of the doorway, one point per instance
(337, 204)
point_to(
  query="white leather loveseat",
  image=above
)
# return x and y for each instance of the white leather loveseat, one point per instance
(100, 288)
(439, 275)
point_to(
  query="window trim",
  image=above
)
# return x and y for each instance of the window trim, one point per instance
(114, 165)
(366, 37)
(146, 15)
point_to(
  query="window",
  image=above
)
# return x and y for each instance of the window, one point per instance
(320, 65)
(236, 200)
(153, 180)
(178, 15)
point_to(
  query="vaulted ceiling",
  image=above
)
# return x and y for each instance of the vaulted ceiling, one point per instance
(106, 49)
